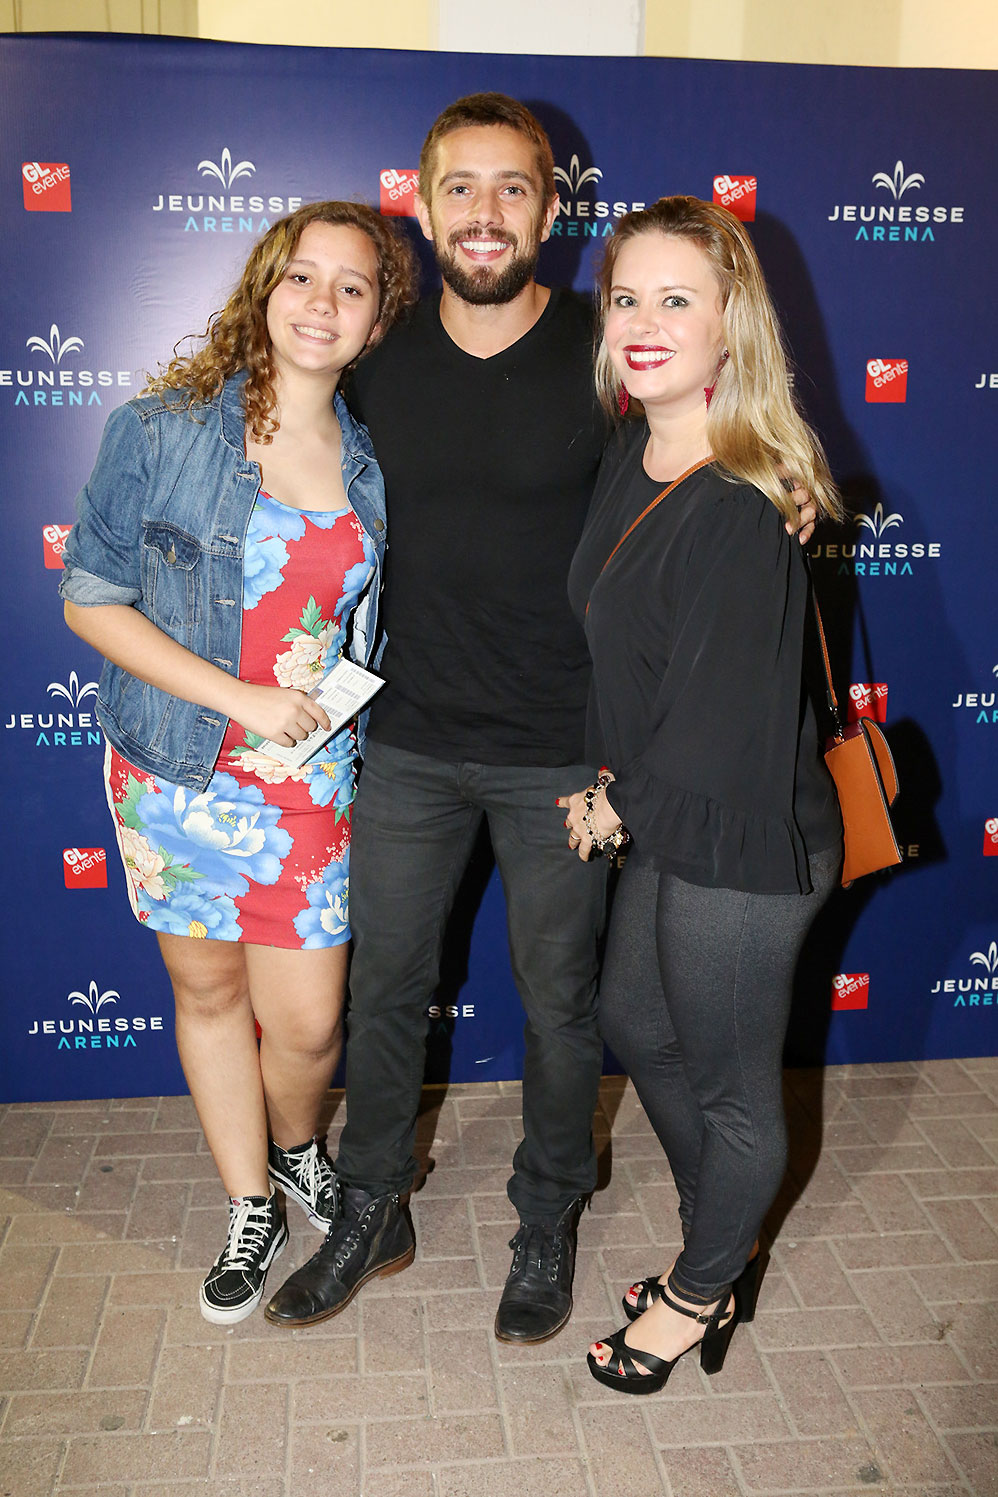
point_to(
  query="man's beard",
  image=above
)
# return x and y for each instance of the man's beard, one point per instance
(482, 286)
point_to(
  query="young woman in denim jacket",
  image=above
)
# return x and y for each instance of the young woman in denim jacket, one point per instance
(228, 550)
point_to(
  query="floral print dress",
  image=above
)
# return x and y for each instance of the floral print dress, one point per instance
(262, 854)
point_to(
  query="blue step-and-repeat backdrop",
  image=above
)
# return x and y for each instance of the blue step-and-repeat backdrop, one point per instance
(136, 174)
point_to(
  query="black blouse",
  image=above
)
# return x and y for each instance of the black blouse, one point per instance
(698, 703)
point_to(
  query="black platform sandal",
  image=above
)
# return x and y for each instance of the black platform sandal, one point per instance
(622, 1370)
(745, 1289)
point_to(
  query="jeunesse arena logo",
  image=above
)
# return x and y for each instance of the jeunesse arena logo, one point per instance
(876, 552)
(96, 1027)
(976, 990)
(68, 722)
(47, 381)
(216, 209)
(888, 220)
(582, 214)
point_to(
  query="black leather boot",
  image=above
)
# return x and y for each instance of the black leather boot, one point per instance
(537, 1299)
(370, 1237)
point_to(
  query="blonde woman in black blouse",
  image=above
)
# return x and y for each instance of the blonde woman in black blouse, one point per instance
(696, 625)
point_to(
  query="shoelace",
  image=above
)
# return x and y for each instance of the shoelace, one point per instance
(347, 1244)
(344, 1238)
(249, 1227)
(315, 1175)
(312, 1170)
(540, 1244)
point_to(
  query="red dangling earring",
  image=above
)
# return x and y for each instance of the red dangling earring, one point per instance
(623, 400)
(708, 390)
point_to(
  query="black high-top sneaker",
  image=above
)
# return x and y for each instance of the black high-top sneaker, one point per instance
(234, 1285)
(306, 1175)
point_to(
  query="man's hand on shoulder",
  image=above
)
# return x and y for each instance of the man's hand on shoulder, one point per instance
(807, 516)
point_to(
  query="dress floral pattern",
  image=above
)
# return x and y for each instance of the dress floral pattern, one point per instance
(261, 854)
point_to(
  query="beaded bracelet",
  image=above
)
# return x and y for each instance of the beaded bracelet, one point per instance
(610, 845)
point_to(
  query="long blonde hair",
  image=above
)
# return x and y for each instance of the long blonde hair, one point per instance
(236, 337)
(755, 431)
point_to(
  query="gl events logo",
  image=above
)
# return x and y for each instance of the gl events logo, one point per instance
(980, 702)
(850, 990)
(895, 222)
(737, 194)
(887, 381)
(991, 837)
(979, 991)
(46, 187)
(225, 212)
(398, 186)
(51, 384)
(96, 1031)
(54, 539)
(867, 699)
(84, 867)
(63, 729)
(875, 556)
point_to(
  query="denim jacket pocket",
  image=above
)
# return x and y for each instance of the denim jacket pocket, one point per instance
(170, 560)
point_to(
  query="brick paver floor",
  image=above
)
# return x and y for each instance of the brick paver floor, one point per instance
(872, 1364)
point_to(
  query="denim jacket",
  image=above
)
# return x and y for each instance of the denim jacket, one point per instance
(162, 525)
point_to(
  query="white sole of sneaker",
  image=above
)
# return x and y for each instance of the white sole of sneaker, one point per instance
(217, 1316)
(291, 1193)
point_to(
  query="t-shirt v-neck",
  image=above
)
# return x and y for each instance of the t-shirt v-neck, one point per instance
(489, 467)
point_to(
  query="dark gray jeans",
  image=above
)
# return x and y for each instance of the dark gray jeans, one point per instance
(413, 827)
(694, 1001)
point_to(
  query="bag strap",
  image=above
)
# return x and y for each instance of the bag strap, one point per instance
(833, 704)
(647, 511)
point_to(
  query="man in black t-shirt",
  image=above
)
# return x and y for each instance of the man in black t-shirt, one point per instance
(484, 420)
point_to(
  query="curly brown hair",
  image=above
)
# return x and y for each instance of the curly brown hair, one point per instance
(236, 337)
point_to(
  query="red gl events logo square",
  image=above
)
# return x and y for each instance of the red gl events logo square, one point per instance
(46, 187)
(398, 190)
(84, 867)
(850, 990)
(737, 194)
(54, 543)
(887, 380)
(868, 699)
(991, 837)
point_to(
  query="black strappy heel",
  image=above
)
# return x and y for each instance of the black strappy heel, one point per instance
(622, 1371)
(745, 1289)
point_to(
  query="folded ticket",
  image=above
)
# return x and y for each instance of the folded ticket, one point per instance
(342, 693)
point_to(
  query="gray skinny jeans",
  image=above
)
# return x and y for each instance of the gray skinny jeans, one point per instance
(694, 1001)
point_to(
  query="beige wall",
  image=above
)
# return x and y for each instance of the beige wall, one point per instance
(889, 33)
(322, 23)
(895, 33)
(160, 17)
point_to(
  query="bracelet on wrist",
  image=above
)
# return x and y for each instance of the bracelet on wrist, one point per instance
(611, 844)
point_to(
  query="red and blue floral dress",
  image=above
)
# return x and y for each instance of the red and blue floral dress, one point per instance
(262, 854)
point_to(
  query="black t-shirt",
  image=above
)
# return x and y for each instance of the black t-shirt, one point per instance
(489, 468)
(697, 630)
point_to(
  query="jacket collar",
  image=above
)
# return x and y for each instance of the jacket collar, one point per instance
(356, 442)
(230, 406)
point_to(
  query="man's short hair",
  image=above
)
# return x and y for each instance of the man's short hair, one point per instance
(487, 109)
